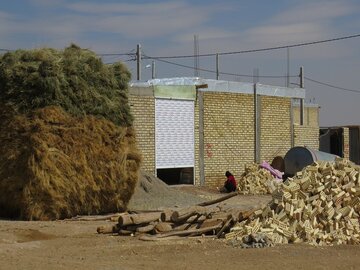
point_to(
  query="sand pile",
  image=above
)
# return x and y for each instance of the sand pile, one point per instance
(67, 146)
(151, 193)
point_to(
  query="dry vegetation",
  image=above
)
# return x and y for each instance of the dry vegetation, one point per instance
(66, 142)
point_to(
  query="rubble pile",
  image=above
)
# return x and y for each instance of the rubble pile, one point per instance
(256, 180)
(258, 240)
(319, 205)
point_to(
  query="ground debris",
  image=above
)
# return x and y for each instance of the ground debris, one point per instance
(252, 241)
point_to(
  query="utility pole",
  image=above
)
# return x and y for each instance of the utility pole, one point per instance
(255, 75)
(302, 100)
(138, 62)
(217, 66)
(153, 69)
(288, 67)
(196, 56)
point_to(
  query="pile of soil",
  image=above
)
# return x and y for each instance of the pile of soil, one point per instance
(151, 193)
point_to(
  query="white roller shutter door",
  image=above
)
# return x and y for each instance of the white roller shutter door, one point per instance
(174, 129)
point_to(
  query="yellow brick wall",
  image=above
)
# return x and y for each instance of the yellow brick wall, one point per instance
(275, 127)
(346, 143)
(306, 136)
(228, 135)
(196, 145)
(143, 110)
(311, 116)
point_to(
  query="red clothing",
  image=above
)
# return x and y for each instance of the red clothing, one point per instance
(231, 180)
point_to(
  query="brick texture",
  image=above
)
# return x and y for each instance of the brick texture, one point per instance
(275, 127)
(346, 143)
(228, 135)
(306, 136)
(143, 110)
(311, 116)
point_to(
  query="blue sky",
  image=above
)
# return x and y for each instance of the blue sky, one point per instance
(167, 28)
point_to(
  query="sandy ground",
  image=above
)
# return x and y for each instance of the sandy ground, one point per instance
(76, 245)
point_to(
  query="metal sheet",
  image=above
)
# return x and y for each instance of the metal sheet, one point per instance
(174, 133)
(187, 92)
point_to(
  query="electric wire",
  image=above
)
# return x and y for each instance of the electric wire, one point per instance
(259, 50)
(224, 73)
(332, 86)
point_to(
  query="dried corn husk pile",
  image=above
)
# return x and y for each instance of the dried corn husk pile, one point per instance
(256, 180)
(320, 205)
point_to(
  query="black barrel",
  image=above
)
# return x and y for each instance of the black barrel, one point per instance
(299, 157)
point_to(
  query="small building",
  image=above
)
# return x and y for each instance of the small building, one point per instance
(342, 141)
(192, 130)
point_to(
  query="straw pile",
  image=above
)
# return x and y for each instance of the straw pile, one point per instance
(66, 142)
(320, 206)
(74, 79)
(256, 180)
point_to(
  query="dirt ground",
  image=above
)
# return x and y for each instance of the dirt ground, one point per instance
(76, 245)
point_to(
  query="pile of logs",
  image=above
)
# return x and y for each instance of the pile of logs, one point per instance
(319, 205)
(202, 219)
(256, 180)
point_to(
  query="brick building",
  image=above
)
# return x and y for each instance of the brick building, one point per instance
(192, 130)
(342, 141)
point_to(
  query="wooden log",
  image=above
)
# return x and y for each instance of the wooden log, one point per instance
(184, 214)
(140, 218)
(163, 227)
(125, 232)
(166, 215)
(131, 227)
(210, 223)
(125, 220)
(145, 229)
(228, 196)
(183, 226)
(145, 217)
(223, 216)
(187, 232)
(108, 229)
(146, 237)
(196, 219)
(225, 227)
(245, 215)
(96, 218)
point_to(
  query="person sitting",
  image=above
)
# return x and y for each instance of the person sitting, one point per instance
(230, 183)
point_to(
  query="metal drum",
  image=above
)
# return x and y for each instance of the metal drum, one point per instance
(299, 157)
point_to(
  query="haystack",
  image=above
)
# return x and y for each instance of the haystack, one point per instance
(67, 146)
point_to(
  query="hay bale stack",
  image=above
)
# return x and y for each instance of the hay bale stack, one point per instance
(66, 143)
(256, 180)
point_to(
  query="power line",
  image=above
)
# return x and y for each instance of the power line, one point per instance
(332, 86)
(223, 73)
(259, 50)
(115, 54)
